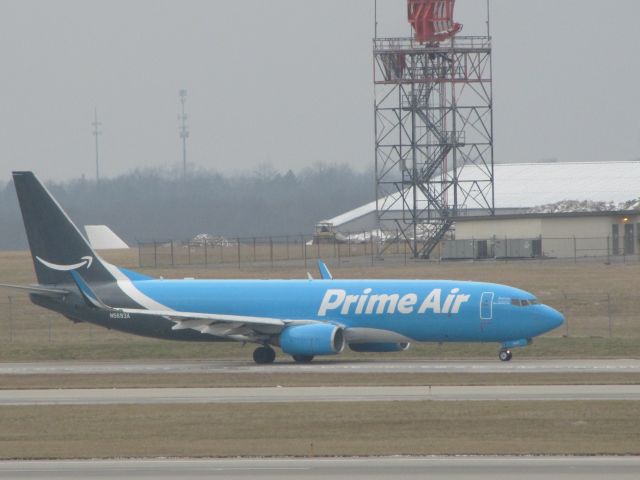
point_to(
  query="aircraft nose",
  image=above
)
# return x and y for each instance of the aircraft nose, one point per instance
(553, 317)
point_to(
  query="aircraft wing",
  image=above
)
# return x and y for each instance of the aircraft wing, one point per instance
(38, 289)
(236, 327)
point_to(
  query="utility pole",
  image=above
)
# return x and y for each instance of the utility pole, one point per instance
(184, 132)
(96, 132)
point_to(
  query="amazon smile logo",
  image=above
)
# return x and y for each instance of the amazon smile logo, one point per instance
(88, 260)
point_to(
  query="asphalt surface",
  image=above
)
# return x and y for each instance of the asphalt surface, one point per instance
(448, 468)
(352, 366)
(102, 396)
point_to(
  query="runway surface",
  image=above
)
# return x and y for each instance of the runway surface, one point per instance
(315, 394)
(440, 468)
(353, 366)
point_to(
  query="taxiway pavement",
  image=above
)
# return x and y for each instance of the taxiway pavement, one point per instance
(111, 396)
(340, 366)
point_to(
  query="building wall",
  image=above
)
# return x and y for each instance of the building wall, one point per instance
(510, 228)
(562, 237)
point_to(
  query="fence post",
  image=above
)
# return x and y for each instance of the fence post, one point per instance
(304, 250)
(206, 242)
(10, 311)
(371, 239)
(155, 254)
(287, 242)
(566, 321)
(349, 245)
(254, 249)
(397, 241)
(238, 240)
(609, 313)
(575, 251)
(139, 256)
(172, 260)
(339, 245)
(608, 251)
(318, 256)
(189, 252)
(271, 250)
(405, 250)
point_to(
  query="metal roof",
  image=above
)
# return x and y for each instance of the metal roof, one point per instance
(527, 185)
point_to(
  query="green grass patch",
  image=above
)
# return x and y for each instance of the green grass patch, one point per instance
(369, 428)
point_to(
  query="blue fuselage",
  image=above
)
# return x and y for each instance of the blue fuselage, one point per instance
(419, 310)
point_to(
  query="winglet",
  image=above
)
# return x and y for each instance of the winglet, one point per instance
(88, 294)
(324, 271)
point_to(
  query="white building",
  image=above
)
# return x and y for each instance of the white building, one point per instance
(526, 201)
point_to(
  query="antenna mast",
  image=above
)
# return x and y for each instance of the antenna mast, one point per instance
(183, 131)
(96, 132)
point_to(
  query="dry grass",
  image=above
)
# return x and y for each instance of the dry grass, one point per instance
(599, 300)
(417, 428)
(220, 380)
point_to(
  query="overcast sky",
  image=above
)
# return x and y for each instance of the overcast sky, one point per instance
(288, 82)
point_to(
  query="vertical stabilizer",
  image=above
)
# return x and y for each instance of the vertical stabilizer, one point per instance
(57, 246)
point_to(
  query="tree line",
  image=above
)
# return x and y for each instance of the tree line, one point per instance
(159, 204)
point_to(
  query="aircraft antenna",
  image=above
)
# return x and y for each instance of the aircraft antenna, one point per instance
(183, 131)
(96, 133)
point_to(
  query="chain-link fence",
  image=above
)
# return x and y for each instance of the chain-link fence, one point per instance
(369, 248)
(292, 249)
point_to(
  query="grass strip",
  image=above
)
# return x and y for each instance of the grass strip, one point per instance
(380, 428)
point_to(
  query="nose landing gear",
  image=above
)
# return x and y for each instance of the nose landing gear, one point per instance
(505, 355)
(264, 355)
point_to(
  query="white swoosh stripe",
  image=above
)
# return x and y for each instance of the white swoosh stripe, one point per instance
(131, 291)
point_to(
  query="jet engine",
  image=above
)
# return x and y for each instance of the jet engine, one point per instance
(312, 339)
(379, 347)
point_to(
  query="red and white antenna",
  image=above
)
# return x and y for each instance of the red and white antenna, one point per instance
(432, 20)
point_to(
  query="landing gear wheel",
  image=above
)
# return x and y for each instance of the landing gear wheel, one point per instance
(264, 355)
(303, 358)
(505, 355)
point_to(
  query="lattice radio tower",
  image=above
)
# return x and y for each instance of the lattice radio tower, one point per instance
(433, 126)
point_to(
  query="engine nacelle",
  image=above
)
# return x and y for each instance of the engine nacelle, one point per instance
(312, 339)
(379, 347)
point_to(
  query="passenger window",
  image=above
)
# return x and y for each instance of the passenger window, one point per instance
(516, 302)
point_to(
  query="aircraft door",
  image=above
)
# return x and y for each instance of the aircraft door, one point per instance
(486, 309)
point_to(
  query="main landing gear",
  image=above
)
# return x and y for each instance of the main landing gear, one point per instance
(303, 358)
(505, 355)
(264, 355)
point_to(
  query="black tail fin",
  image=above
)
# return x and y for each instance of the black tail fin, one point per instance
(57, 246)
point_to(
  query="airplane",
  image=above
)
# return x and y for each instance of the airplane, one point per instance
(304, 318)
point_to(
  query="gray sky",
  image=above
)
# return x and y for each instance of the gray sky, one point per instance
(288, 82)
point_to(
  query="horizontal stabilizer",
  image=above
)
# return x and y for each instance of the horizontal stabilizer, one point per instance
(88, 294)
(37, 289)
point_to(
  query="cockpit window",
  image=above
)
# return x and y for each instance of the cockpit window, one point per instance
(518, 302)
